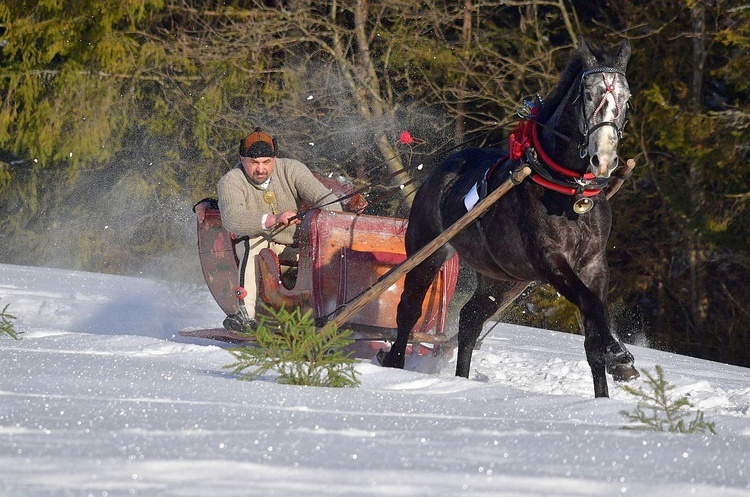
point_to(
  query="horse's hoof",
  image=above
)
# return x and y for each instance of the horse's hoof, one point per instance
(620, 364)
(623, 372)
(381, 357)
(387, 360)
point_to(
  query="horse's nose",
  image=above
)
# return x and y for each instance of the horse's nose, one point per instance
(601, 168)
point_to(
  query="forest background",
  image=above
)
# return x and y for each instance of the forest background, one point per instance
(118, 116)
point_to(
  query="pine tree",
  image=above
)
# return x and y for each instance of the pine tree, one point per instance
(6, 325)
(288, 343)
(659, 411)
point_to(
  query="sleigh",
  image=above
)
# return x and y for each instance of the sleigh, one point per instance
(341, 255)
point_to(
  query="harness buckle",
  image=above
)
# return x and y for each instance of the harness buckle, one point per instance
(583, 183)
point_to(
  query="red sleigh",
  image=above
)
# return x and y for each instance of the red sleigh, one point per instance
(341, 254)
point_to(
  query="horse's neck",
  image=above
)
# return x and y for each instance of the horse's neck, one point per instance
(563, 121)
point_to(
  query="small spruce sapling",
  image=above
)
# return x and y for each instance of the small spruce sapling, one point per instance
(288, 343)
(6, 325)
(664, 414)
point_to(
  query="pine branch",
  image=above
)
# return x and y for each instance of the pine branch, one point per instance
(288, 343)
(666, 414)
(6, 324)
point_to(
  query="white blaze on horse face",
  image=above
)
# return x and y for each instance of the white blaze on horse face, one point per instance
(605, 104)
(603, 144)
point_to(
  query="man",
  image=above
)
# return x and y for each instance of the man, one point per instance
(258, 201)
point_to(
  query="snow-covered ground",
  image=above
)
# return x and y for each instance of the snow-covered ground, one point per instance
(102, 398)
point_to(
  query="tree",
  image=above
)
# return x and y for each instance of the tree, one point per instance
(129, 112)
(687, 210)
(118, 99)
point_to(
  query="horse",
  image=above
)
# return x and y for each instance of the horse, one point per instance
(552, 227)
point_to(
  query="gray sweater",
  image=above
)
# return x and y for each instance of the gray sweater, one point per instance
(242, 206)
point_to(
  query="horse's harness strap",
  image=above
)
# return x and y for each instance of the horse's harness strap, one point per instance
(551, 180)
(556, 178)
(480, 228)
(481, 188)
(536, 145)
(525, 145)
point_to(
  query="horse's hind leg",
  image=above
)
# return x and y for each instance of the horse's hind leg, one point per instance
(490, 297)
(416, 284)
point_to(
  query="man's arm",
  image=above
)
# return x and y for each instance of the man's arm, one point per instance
(236, 216)
(313, 192)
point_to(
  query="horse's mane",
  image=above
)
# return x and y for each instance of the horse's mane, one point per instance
(570, 75)
(567, 79)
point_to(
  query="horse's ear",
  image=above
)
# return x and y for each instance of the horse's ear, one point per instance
(588, 58)
(624, 54)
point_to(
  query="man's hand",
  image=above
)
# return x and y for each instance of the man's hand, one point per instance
(284, 219)
(200, 211)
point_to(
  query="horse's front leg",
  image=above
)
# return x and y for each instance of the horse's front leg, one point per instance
(618, 360)
(409, 310)
(605, 353)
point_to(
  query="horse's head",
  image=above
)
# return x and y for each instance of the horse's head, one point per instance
(602, 104)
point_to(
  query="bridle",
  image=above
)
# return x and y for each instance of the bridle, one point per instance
(525, 144)
(527, 111)
(609, 90)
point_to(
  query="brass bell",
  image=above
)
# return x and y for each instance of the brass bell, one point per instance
(581, 204)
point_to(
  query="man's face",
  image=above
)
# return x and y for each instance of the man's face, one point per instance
(259, 169)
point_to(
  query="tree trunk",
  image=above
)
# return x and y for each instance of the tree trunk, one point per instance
(370, 101)
(461, 110)
(696, 256)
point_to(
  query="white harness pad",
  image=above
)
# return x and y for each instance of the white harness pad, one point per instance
(471, 198)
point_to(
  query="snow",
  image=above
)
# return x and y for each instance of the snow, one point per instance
(102, 398)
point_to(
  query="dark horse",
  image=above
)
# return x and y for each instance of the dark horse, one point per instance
(553, 227)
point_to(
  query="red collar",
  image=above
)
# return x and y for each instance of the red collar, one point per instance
(526, 136)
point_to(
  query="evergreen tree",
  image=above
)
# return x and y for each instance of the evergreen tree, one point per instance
(681, 227)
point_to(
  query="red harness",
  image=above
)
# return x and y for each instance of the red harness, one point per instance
(525, 137)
